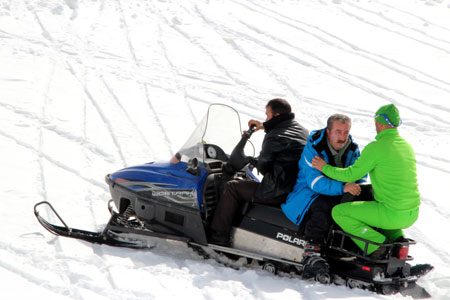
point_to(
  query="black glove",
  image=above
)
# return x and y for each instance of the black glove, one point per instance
(253, 161)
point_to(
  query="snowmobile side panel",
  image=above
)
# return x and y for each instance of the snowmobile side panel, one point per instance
(173, 182)
(161, 215)
(246, 240)
(271, 231)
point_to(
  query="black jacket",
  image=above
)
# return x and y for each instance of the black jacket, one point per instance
(278, 161)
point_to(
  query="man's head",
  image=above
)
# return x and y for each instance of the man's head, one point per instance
(387, 117)
(276, 107)
(338, 129)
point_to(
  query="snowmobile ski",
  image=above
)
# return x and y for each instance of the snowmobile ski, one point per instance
(115, 233)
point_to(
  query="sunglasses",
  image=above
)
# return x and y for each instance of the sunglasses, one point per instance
(387, 120)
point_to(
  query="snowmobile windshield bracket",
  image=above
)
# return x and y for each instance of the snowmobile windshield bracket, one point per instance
(193, 167)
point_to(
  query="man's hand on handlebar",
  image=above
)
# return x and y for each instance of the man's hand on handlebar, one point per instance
(257, 123)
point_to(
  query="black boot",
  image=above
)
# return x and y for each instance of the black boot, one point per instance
(219, 238)
(314, 265)
(381, 253)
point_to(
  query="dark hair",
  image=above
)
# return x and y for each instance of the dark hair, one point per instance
(338, 117)
(279, 105)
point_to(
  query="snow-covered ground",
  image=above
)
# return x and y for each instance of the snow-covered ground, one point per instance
(90, 86)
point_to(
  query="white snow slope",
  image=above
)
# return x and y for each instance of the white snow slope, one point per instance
(90, 86)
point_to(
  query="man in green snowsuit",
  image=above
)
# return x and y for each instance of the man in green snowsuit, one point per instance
(391, 164)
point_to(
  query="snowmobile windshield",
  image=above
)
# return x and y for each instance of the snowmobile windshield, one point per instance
(221, 126)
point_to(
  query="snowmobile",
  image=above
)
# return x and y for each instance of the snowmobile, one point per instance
(176, 200)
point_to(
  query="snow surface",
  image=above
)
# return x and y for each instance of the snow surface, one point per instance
(88, 87)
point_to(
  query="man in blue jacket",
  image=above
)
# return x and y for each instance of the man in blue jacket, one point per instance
(314, 195)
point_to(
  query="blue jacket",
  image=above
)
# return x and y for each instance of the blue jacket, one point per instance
(310, 181)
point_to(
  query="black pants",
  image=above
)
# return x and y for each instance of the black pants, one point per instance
(234, 196)
(318, 220)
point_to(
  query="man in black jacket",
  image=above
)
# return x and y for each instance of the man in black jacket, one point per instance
(278, 163)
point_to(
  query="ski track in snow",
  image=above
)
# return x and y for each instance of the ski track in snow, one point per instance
(124, 111)
(393, 22)
(241, 52)
(106, 121)
(144, 86)
(175, 74)
(392, 64)
(421, 19)
(233, 81)
(395, 31)
(97, 69)
(55, 162)
(346, 77)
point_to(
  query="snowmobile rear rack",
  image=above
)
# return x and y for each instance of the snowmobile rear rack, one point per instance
(339, 239)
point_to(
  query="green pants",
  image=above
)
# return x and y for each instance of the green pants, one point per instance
(358, 218)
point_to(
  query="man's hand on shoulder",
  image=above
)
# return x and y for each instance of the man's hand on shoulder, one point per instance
(318, 163)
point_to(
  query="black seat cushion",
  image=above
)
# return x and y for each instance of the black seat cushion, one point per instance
(270, 214)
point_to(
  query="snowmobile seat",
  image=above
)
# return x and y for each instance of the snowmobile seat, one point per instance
(270, 214)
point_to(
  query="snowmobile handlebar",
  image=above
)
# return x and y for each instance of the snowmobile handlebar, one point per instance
(248, 133)
(238, 159)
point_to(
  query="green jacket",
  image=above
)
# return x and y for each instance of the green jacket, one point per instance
(391, 164)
